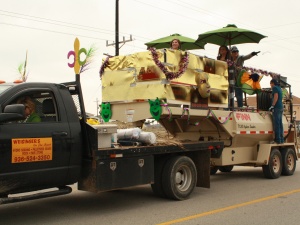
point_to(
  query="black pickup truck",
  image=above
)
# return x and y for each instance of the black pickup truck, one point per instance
(41, 159)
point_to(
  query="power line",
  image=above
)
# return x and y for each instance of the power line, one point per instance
(37, 19)
(94, 29)
(196, 8)
(172, 12)
(81, 28)
(56, 22)
(208, 12)
(281, 25)
(52, 31)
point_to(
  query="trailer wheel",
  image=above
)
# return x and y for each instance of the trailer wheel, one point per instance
(179, 177)
(274, 168)
(213, 170)
(289, 161)
(225, 169)
(157, 186)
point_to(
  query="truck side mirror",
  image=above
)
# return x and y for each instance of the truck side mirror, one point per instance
(13, 112)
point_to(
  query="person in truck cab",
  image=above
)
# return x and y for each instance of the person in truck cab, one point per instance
(31, 115)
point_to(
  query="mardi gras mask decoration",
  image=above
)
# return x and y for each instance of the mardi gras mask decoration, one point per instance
(105, 111)
(155, 108)
(203, 84)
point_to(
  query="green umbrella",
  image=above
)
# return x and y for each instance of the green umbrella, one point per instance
(230, 35)
(186, 43)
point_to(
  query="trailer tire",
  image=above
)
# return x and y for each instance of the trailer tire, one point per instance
(157, 187)
(213, 170)
(179, 177)
(289, 161)
(274, 168)
(225, 169)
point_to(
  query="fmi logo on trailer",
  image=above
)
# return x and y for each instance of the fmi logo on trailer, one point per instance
(243, 116)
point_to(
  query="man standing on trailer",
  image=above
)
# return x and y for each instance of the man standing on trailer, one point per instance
(277, 111)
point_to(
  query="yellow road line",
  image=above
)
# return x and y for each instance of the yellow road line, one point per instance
(229, 207)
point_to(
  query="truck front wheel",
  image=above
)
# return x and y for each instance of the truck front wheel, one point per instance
(179, 177)
(289, 161)
(274, 168)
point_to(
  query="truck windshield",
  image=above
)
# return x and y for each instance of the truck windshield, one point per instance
(4, 87)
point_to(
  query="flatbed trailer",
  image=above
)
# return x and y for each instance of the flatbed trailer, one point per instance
(197, 104)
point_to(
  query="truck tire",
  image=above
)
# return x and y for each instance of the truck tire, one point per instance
(289, 161)
(225, 169)
(213, 170)
(157, 186)
(274, 168)
(179, 177)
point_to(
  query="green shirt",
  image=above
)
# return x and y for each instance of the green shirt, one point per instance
(33, 118)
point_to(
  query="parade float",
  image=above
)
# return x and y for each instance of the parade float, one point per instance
(189, 95)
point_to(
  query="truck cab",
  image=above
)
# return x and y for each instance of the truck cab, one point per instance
(43, 154)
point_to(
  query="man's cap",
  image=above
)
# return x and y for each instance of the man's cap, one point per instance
(234, 49)
(274, 81)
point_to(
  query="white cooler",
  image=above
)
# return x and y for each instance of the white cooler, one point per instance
(105, 132)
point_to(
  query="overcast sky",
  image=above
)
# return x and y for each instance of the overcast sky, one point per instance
(47, 29)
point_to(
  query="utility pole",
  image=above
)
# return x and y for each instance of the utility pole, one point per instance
(117, 27)
(116, 42)
(97, 102)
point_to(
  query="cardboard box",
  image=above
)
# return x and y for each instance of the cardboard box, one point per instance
(105, 132)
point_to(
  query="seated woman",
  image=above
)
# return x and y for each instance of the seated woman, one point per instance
(31, 115)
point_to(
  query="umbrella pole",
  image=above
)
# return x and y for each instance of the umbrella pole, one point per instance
(231, 79)
(231, 89)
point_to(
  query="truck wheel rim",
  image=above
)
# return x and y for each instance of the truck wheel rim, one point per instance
(276, 164)
(183, 178)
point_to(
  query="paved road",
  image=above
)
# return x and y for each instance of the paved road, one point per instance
(243, 196)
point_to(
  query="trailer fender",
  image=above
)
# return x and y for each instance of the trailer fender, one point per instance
(264, 151)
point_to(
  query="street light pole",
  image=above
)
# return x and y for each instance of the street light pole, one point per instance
(117, 28)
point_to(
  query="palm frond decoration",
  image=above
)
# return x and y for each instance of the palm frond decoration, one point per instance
(22, 70)
(89, 58)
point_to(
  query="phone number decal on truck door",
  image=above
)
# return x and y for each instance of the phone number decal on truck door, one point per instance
(31, 150)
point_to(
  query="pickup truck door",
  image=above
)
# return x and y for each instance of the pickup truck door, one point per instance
(34, 155)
